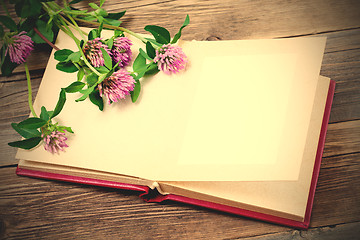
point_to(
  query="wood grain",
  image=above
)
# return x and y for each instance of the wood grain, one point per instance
(41, 209)
(230, 19)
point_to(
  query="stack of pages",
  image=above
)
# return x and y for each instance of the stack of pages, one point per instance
(241, 130)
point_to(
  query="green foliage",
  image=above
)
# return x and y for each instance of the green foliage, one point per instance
(144, 54)
(8, 66)
(27, 8)
(62, 55)
(80, 74)
(74, 57)
(62, 128)
(178, 35)
(2, 33)
(139, 64)
(93, 34)
(116, 16)
(74, 87)
(75, 1)
(27, 143)
(45, 29)
(68, 67)
(44, 114)
(150, 50)
(25, 132)
(96, 99)
(60, 103)
(91, 79)
(136, 92)
(32, 123)
(8, 22)
(107, 58)
(160, 34)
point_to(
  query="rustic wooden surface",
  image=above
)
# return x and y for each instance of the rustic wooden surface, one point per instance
(41, 209)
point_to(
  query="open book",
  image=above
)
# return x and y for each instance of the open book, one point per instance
(241, 130)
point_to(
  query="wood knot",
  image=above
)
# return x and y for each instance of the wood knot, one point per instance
(213, 38)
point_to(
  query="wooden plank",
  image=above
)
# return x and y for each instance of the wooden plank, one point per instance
(32, 208)
(243, 19)
(344, 68)
(231, 19)
(40, 208)
(337, 194)
(344, 231)
(342, 138)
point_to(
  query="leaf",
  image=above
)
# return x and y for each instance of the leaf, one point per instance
(75, 1)
(102, 69)
(60, 104)
(150, 50)
(32, 123)
(45, 30)
(96, 99)
(44, 114)
(26, 133)
(85, 93)
(8, 66)
(80, 74)
(28, 8)
(160, 34)
(178, 35)
(139, 64)
(28, 26)
(101, 2)
(93, 5)
(107, 58)
(118, 33)
(110, 42)
(74, 87)
(112, 22)
(101, 12)
(154, 42)
(144, 54)
(8, 22)
(74, 57)
(68, 67)
(101, 21)
(2, 33)
(91, 79)
(136, 92)
(92, 34)
(116, 16)
(63, 54)
(152, 68)
(27, 143)
(62, 128)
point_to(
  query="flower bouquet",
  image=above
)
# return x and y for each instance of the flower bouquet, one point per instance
(99, 63)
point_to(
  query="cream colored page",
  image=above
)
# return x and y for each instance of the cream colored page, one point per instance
(148, 139)
(284, 196)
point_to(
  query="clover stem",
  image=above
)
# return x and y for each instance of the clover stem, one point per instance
(29, 90)
(45, 39)
(116, 28)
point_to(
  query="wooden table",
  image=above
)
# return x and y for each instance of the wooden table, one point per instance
(40, 209)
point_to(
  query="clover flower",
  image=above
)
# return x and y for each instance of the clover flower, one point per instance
(92, 51)
(117, 86)
(121, 52)
(170, 58)
(19, 47)
(54, 141)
